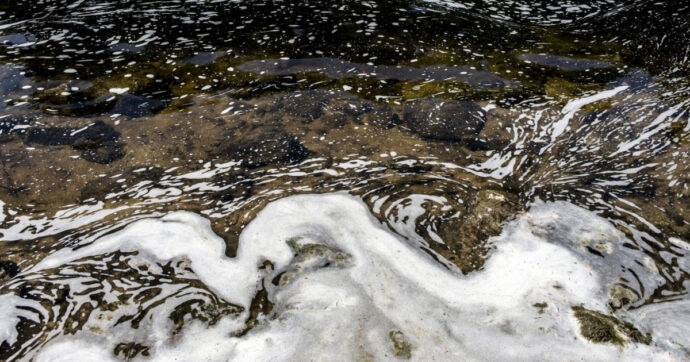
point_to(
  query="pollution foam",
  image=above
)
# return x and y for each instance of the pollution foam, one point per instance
(357, 291)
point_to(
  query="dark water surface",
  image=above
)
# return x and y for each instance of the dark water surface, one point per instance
(447, 118)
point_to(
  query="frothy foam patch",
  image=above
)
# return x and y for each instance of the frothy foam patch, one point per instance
(343, 287)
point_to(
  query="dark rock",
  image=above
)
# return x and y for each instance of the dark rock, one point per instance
(50, 136)
(126, 48)
(445, 120)
(308, 105)
(83, 108)
(9, 121)
(331, 67)
(98, 142)
(564, 63)
(102, 153)
(204, 58)
(11, 79)
(266, 149)
(16, 39)
(337, 68)
(636, 80)
(134, 106)
(8, 269)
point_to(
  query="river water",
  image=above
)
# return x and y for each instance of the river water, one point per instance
(355, 180)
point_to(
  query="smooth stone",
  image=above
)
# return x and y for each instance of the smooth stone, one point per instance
(135, 106)
(337, 68)
(445, 120)
(267, 149)
(16, 39)
(204, 58)
(564, 63)
(98, 143)
(125, 48)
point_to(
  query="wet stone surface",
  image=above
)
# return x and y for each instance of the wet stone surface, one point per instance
(135, 107)
(98, 142)
(443, 120)
(564, 63)
(266, 148)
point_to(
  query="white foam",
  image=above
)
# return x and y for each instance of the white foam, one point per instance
(26, 227)
(9, 316)
(118, 90)
(71, 350)
(349, 312)
(575, 105)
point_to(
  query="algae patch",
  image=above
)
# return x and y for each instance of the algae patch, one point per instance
(309, 257)
(401, 346)
(600, 328)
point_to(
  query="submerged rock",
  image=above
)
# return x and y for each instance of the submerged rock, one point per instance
(126, 48)
(467, 238)
(309, 257)
(14, 123)
(564, 63)
(8, 269)
(267, 148)
(445, 120)
(83, 107)
(307, 105)
(98, 143)
(204, 58)
(337, 68)
(636, 80)
(134, 106)
(332, 109)
(16, 39)
(600, 328)
(11, 79)
(383, 117)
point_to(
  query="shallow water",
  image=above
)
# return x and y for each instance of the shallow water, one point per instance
(145, 145)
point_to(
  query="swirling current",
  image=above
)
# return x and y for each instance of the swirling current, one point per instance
(359, 180)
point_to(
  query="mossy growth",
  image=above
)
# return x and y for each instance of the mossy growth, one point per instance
(563, 90)
(402, 348)
(601, 328)
(131, 350)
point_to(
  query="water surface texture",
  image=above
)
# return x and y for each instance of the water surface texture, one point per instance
(354, 180)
